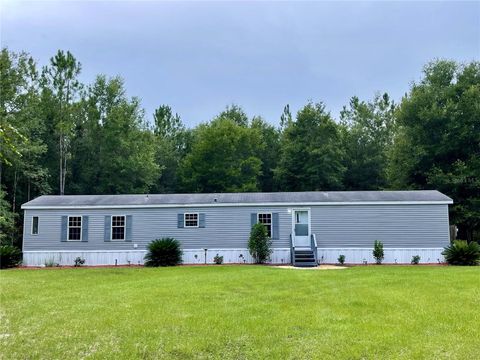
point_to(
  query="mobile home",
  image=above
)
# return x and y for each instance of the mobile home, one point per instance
(306, 228)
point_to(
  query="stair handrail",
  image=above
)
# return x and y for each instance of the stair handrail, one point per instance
(292, 249)
(313, 245)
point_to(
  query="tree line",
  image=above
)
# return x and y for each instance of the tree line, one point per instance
(61, 136)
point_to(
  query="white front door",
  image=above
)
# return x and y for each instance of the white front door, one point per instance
(301, 228)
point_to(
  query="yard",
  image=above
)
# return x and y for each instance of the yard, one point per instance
(235, 312)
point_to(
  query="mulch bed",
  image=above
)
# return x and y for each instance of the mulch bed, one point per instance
(199, 265)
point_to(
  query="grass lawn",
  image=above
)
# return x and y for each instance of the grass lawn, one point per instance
(241, 312)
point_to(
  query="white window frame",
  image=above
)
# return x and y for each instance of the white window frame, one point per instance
(38, 225)
(271, 221)
(124, 227)
(68, 227)
(185, 220)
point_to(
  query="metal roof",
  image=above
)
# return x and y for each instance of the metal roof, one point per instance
(238, 199)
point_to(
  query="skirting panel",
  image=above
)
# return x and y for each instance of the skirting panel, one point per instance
(392, 255)
(231, 256)
(41, 258)
(135, 257)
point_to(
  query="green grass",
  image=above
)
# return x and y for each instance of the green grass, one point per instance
(241, 312)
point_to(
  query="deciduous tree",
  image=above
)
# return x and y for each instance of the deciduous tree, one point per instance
(171, 139)
(311, 152)
(268, 152)
(113, 148)
(224, 157)
(438, 142)
(368, 129)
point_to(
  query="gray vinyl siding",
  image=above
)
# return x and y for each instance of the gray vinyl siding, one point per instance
(398, 226)
(227, 228)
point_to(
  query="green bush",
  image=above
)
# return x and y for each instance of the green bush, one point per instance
(10, 256)
(341, 259)
(415, 259)
(51, 263)
(461, 252)
(79, 261)
(259, 244)
(163, 252)
(378, 253)
(218, 259)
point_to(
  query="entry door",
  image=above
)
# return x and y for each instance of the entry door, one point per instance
(301, 228)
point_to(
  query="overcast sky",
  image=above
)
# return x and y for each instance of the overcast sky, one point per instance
(200, 56)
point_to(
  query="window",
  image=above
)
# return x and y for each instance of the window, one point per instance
(74, 228)
(266, 219)
(35, 225)
(301, 217)
(118, 227)
(190, 220)
(302, 223)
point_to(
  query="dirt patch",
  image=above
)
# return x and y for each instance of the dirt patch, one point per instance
(320, 267)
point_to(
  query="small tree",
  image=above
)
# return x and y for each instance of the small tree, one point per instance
(415, 259)
(163, 252)
(378, 253)
(78, 261)
(259, 244)
(341, 259)
(217, 259)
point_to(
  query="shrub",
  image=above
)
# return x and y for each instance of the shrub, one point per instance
(415, 259)
(461, 252)
(79, 261)
(218, 259)
(378, 253)
(341, 259)
(10, 256)
(259, 244)
(163, 252)
(51, 263)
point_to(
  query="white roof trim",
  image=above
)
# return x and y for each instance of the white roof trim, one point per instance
(273, 204)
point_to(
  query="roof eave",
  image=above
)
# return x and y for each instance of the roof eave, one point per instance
(143, 206)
